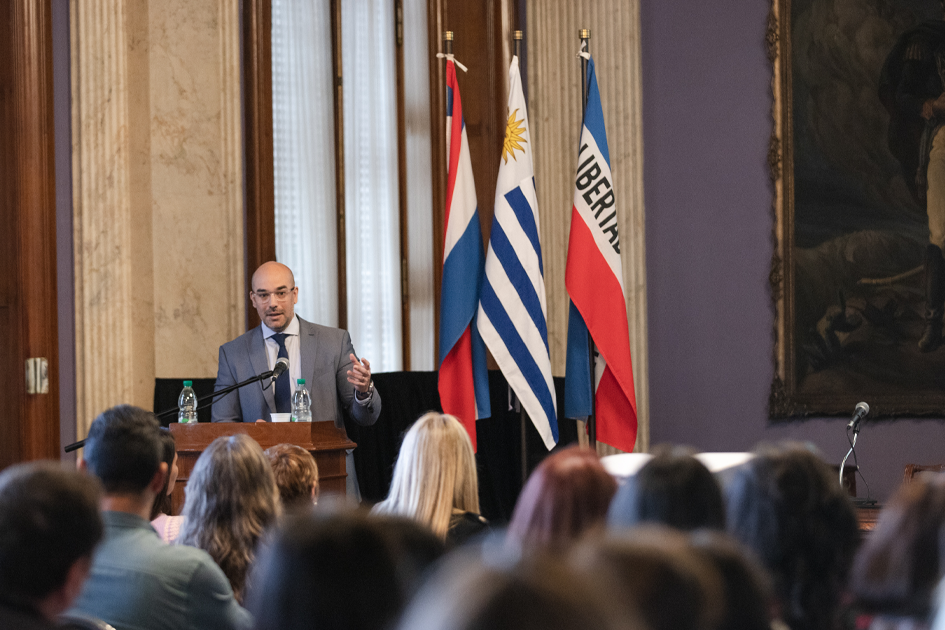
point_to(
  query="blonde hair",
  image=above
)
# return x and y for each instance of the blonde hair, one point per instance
(231, 499)
(435, 474)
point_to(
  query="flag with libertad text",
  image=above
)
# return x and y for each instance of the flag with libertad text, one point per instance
(594, 280)
(463, 379)
(512, 307)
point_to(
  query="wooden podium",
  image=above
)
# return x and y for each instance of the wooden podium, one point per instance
(324, 440)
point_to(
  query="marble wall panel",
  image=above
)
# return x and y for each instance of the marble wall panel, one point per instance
(196, 180)
(157, 173)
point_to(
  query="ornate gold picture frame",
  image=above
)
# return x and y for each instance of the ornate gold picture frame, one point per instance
(852, 160)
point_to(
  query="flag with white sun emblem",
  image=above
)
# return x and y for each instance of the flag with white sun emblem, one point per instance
(512, 309)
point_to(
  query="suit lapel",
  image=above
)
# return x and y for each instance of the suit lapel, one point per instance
(260, 361)
(308, 344)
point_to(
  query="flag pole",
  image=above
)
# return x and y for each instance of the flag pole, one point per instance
(523, 417)
(585, 35)
(448, 42)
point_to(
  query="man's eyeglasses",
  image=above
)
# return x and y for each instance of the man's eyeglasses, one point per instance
(265, 296)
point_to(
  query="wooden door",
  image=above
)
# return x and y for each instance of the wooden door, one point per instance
(29, 423)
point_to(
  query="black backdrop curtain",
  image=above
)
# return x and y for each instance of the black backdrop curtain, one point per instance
(408, 395)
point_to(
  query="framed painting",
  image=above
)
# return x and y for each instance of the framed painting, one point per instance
(857, 161)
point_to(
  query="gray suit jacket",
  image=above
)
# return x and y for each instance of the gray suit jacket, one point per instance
(325, 364)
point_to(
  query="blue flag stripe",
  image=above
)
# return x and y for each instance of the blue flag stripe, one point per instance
(459, 302)
(594, 114)
(449, 101)
(519, 352)
(526, 218)
(480, 371)
(578, 389)
(519, 278)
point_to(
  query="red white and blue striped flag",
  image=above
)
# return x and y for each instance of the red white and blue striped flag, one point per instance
(594, 279)
(463, 379)
(512, 307)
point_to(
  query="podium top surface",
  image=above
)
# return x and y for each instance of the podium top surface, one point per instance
(628, 464)
(312, 436)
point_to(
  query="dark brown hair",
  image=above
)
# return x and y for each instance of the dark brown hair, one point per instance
(655, 569)
(899, 565)
(567, 494)
(327, 569)
(296, 473)
(162, 502)
(674, 488)
(49, 519)
(123, 449)
(746, 586)
(788, 508)
(540, 592)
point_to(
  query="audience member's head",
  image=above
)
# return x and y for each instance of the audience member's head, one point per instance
(675, 489)
(435, 474)
(162, 502)
(123, 449)
(901, 562)
(787, 507)
(568, 493)
(296, 475)
(747, 589)
(415, 548)
(654, 568)
(49, 526)
(231, 499)
(541, 593)
(327, 570)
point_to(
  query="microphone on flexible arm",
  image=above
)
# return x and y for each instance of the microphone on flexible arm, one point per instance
(862, 409)
(860, 412)
(282, 364)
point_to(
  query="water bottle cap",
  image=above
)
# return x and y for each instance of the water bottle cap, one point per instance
(301, 381)
(188, 383)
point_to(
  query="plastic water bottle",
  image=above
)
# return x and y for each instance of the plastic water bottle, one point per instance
(187, 404)
(301, 403)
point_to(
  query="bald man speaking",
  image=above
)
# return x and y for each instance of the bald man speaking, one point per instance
(336, 379)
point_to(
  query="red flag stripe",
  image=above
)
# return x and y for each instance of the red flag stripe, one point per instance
(598, 296)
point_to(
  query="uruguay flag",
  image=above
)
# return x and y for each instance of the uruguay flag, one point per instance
(594, 279)
(512, 308)
(463, 379)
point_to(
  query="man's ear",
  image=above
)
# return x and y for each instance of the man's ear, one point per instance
(157, 481)
(81, 465)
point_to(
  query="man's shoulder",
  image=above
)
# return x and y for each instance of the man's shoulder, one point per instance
(182, 559)
(243, 341)
(305, 325)
(138, 581)
(326, 332)
(148, 553)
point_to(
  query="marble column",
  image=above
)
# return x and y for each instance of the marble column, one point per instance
(111, 201)
(554, 101)
(157, 173)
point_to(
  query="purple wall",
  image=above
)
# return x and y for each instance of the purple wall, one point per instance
(707, 120)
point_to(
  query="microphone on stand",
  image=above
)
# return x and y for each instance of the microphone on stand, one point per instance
(860, 412)
(862, 409)
(282, 364)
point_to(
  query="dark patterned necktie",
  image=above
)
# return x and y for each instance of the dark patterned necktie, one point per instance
(283, 386)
